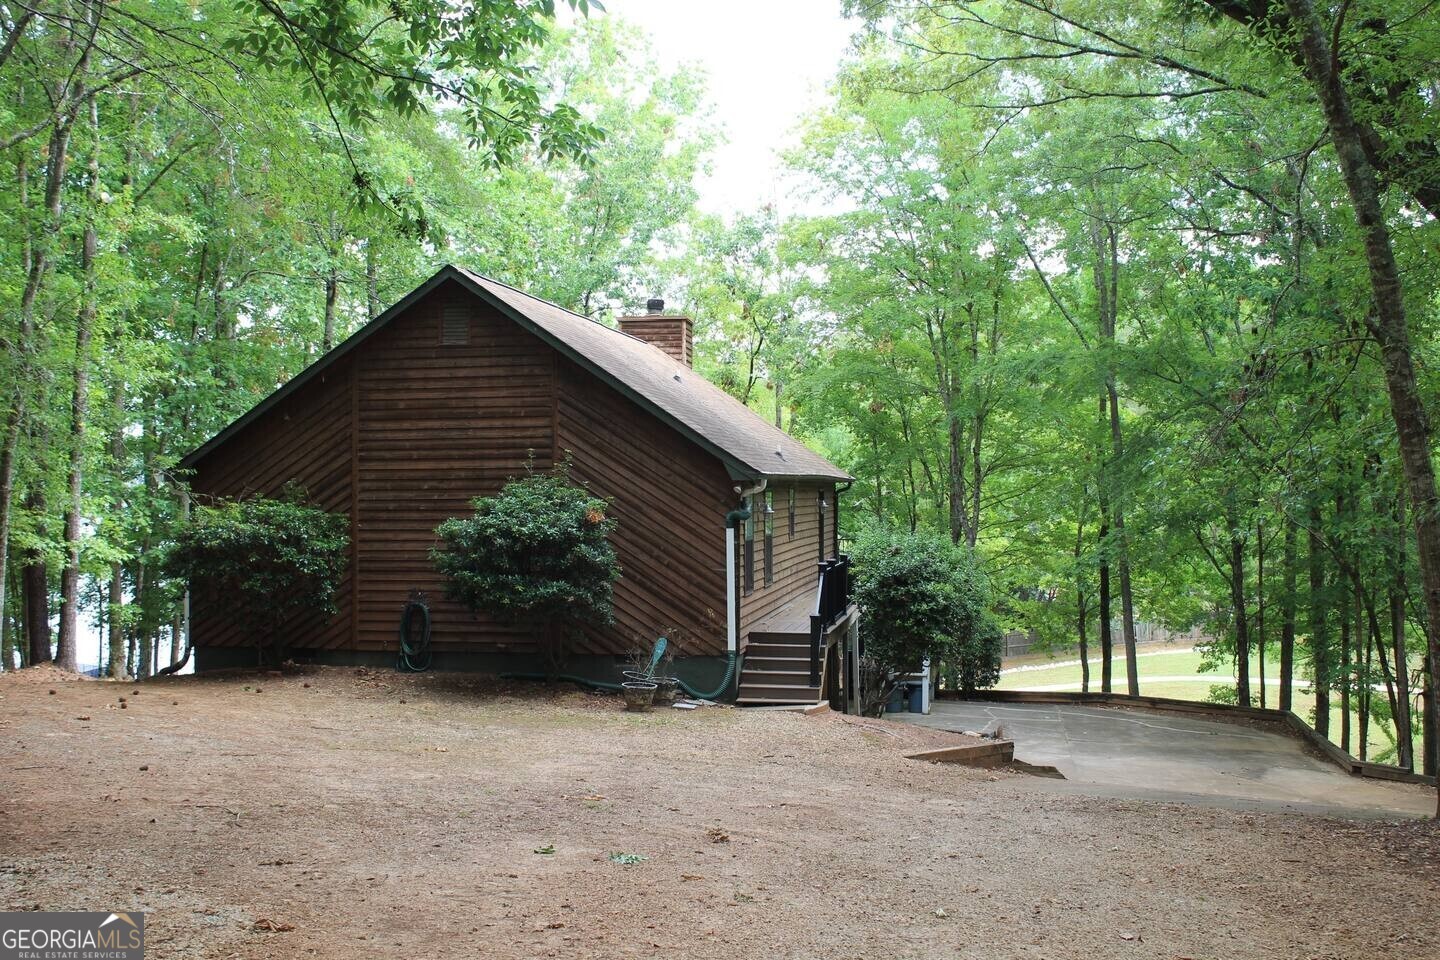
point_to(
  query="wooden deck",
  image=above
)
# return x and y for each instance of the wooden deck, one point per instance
(794, 617)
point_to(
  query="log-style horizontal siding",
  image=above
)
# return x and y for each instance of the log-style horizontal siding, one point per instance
(305, 440)
(669, 499)
(408, 429)
(796, 557)
(440, 424)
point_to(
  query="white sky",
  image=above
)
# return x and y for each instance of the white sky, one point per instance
(767, 62)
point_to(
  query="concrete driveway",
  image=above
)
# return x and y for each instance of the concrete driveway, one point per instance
(1117, 752)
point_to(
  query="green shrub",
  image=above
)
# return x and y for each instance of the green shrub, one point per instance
(923, 596)
(262, 562)
(1222, 693)
(536, 554)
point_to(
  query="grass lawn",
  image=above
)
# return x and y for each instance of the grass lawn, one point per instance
(1176, 674)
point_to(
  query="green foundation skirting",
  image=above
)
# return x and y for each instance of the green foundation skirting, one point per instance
(697, 673)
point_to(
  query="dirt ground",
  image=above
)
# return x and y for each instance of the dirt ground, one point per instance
(341, 814)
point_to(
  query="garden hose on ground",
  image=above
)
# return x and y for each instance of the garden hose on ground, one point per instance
(414, 635)
(604, 685)
(718, 691)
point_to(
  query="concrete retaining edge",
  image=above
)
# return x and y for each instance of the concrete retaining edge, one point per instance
(993, 754)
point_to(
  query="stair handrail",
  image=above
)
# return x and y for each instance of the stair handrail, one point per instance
(832, 600)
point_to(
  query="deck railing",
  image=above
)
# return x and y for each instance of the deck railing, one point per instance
(832, 599)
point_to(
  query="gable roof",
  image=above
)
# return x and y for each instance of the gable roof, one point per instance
(748, 445)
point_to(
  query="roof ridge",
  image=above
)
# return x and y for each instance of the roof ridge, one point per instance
(563, 309)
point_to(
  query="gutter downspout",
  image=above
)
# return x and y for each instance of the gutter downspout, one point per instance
(852, 632)
(733, 519)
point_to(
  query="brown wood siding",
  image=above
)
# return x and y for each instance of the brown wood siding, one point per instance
(408, 430)
(796, 557)
(441, 424)
(307, 440)
(669, 500)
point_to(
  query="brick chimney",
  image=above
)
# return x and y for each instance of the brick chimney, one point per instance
(670, 332)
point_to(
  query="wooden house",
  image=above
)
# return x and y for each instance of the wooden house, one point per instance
(465, 383)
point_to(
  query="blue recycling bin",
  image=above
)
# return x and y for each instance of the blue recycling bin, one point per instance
(917, 698)
(896, 704)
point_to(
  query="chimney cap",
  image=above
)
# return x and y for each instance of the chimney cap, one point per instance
(655, 305)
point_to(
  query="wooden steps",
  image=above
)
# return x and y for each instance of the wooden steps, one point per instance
(777, 671)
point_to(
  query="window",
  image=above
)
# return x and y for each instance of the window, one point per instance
(792, 511)
(821, 504)
(750, 545)
(769, 537)
(454, 325)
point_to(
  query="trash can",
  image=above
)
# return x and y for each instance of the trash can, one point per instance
(896, 704)
(916, 694)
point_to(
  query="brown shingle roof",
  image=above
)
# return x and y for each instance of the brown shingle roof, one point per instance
(748, 444)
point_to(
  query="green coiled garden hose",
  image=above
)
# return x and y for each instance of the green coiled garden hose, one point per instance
(414, 635)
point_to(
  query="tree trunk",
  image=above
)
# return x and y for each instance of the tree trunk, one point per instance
(1081, 612)
(1107, 642)
(1404, 727)
(1319, 624)
(958, 531)
(1344, 680)
(1242, 625)
(11, 630)
(1127, 599)
(115, 655)
(1287, 615)
(1389, 325)
(7, 493)
(1430, 723)
(79, 410)
(15, 415)
(977, 479)
(1260, 604)
(35, 261)
(1107, 271)
(1362, 692)
(1376, 637)
(35, 588)
(332, 294)
(372, 280)
(116, 641)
